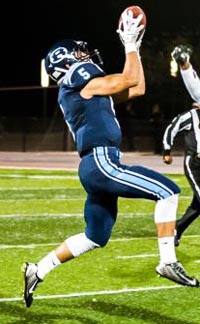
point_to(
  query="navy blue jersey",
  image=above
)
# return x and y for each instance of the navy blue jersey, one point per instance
(91, 121)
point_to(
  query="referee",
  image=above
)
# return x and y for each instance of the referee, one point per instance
(189, 123)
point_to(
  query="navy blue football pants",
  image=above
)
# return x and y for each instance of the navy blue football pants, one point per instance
(105, 179)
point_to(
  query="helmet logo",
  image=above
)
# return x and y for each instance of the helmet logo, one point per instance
(58, 55)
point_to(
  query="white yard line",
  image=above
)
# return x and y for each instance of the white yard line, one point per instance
(32, 246)
(69, 215)
(33, 198)
(26, 246)
(47, 176)
(136, 256)
(93, 293)
(123, 239)
(47, 215)
(39, 189)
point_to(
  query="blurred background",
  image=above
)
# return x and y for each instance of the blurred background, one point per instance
(30, 119)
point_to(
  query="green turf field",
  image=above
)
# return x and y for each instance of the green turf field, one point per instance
(113, 285)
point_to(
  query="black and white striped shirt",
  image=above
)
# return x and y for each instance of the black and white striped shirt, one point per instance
(189, 122)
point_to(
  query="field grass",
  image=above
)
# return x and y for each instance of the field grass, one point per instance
(113, 285)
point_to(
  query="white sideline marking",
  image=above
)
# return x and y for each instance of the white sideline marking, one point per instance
(93, 293)
(136, 256)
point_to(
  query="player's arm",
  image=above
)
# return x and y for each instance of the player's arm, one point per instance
(192, 82)
(137, 90)
(118, 85)
(129, 70)
(115, 84)
(181, 54)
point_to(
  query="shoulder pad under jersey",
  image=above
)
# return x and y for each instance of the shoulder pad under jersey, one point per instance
(81, 73)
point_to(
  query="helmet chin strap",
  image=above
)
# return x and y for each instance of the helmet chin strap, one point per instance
(98, 55)
(61, 70)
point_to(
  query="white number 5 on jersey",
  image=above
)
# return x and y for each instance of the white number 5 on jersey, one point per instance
(85, 75)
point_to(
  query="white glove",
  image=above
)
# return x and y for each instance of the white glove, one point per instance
(181, 54)
(139, 40)
(129, 32)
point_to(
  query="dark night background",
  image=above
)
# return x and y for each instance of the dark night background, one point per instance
(29, 28)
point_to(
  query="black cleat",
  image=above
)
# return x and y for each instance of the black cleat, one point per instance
(31, 281)
(175, 272)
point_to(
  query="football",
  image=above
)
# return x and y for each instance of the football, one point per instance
(136, 10)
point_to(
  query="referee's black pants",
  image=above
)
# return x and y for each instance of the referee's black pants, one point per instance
(192, 172)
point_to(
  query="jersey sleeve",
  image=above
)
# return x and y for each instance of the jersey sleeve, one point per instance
(81, 73)
(192, 83)
(180, 123)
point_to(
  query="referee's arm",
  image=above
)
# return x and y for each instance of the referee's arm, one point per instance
(178, 124)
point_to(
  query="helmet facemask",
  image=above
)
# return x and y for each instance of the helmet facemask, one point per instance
(82, 53)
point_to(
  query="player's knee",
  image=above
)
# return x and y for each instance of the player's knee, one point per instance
(173, 188)
(103, 241)
(99, 230)
(176, 189)
(79, 244)
(101, 238)
(166, 209)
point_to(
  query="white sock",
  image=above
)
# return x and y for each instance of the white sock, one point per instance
(167, 250)
(48, 263)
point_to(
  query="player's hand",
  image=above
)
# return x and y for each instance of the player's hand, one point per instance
(139, 40)
(167, 159)
(181, 54)
(129, 29)
(196, 105)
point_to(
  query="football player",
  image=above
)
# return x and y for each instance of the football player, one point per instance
(86, 97)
